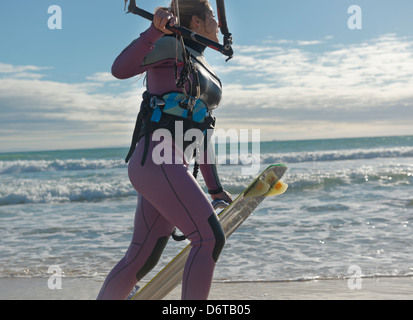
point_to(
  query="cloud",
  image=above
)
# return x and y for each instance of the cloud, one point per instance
(21, 71)
(368, 83)
(293, 42)
(11, 69)
(101, 77)
(38, 113)
(288, 90)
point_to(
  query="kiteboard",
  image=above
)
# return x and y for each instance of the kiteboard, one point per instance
(268, 183)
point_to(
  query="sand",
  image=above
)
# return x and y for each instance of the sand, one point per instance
(387, 288)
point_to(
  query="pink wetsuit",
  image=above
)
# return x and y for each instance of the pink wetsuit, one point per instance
(168, 194)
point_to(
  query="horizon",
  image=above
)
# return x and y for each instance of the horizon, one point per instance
(126, 147)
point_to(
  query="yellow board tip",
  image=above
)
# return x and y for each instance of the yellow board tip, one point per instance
(279, 188)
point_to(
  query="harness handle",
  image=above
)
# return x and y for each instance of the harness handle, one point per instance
(225, 49)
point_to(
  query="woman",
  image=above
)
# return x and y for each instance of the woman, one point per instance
(168, 194)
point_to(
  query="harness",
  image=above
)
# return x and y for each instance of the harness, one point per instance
(158, 112)
(163, 111)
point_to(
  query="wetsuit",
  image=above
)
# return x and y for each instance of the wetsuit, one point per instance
(168, 194)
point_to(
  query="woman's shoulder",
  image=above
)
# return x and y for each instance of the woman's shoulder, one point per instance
(165, 48)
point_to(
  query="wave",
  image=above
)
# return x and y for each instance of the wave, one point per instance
(74, 180)
(105, 188)
(28, 166)
(37, 192)
(336, 155)
(31, 166)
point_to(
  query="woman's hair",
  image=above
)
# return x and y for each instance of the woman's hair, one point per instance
(189, 8)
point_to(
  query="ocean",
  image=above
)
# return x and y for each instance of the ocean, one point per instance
(348, 211)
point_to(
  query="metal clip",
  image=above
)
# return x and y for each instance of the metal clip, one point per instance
(155, 101)
(188, 103)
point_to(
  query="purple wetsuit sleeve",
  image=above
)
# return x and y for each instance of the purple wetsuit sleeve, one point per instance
(130, 62)
(210, 174)
(133, 60)
(209, 169)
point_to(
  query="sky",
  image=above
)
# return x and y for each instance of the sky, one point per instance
(302, 69)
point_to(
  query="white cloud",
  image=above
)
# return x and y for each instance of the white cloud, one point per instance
(369, 83)
(290, 92)
(8, 68)
(38, 113)
(293, 42)
(102, 77)
(22, 72)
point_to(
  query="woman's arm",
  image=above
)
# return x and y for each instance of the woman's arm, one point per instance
(210, 173)
(129, 63)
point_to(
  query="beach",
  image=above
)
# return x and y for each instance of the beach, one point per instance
(385, 288)
(347, 212)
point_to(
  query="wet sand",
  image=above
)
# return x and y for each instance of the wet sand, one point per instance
(387, 288)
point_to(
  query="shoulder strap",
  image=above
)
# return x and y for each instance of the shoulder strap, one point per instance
(165, 49)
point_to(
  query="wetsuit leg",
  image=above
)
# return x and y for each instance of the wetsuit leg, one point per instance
(151, 233)
(174, 192)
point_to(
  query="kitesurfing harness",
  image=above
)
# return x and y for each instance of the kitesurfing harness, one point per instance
(162, 111)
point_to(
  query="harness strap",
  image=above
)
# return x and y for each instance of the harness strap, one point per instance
(150, 115)
(138, 125)
(222, 17)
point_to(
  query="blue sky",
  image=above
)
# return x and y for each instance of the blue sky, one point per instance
(298, 72)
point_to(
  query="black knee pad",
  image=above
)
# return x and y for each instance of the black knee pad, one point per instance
(219, 236)
(153, 258)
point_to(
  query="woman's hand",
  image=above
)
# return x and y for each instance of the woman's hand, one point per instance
(224, 195)
(161, 18)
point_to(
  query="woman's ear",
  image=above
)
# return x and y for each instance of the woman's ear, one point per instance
(195, 22)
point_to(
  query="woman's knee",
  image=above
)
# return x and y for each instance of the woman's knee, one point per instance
(209, 236)
(219, 236)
